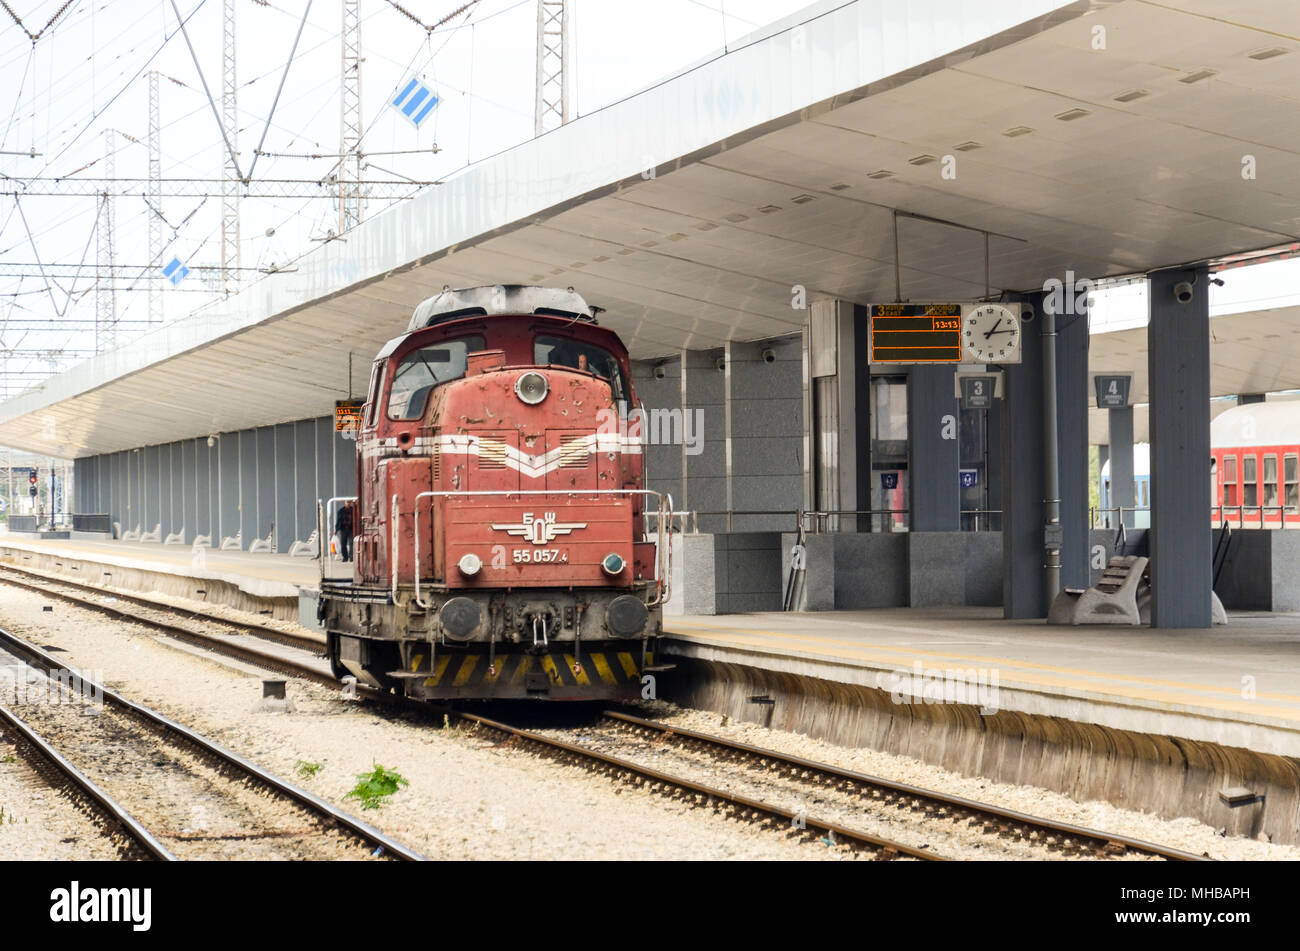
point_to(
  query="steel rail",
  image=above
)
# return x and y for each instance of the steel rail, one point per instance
(727, 801)
(1050, 833)
(38, 658)
(112, 811)
(288, 638)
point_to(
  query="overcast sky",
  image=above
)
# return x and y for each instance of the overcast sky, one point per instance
(88, 74)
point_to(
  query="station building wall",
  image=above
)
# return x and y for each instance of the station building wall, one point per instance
(260, 482)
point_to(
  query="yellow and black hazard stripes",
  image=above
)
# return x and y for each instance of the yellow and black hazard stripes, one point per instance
(469, 674)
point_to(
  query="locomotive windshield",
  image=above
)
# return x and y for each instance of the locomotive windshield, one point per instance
(423, 369)
(565, 352)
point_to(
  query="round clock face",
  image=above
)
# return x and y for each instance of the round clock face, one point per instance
(991, 334)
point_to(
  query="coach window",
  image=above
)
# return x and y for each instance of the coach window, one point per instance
(423, 369)
(1230, 488)
(1291, 482)
(1250, 485)
(1270, 480)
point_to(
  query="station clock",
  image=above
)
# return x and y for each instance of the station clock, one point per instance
(991, 334)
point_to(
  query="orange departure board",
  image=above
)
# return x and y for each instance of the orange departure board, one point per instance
(915, 333)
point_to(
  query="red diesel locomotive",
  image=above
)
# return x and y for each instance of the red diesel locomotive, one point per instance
(501, 547)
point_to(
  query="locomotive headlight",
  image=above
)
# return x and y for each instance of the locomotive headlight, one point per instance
(532, 388)
(470, 564)
(613, 564)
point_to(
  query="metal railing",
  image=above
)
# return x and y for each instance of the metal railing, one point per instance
(1096, 511)
(663, 566)
(1260, 511)
(325, 518)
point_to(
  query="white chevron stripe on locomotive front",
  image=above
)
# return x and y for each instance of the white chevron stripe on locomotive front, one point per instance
(536, 466)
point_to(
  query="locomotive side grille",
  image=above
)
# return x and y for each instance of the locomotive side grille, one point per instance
(491, 453)
(435, 463)
(574, 452)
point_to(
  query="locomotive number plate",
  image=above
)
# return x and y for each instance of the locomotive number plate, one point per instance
(540, 556)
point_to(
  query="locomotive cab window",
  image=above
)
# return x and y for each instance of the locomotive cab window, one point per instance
(423, 369)
(566, 352)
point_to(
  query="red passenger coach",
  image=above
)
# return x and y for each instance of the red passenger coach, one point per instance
(501, 546)
(1256, 465)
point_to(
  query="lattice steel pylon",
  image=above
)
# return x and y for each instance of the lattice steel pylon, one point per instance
(351, 194)
(106, 282)
(155, 200)
(552, 110)
(230, 183)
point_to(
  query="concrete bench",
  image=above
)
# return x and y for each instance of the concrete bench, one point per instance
(1114, 599)
(202, 541)
(233, 542)
(264, 544)
(306, 549)
(175, 538)
(132, 536)
(154, 536)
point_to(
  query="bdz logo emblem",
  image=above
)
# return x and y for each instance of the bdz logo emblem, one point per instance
(539, 529)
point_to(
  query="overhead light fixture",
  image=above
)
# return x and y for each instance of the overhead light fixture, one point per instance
(675, 236)
(1269, 53)
(801, 199)
(1198, 75)
(768, 209)
(1017, 130)
(921, 160)
(840, 186)
(967, 147)
(1069, 115)
(736, 217)
(1132, 95)
(880, 173)
(705, 226)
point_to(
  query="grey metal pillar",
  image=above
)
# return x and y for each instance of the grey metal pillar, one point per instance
(1121, 463)
(933, 417)
(1103, 456)
(1023, 593)
(1072, 401)
(1178, 367)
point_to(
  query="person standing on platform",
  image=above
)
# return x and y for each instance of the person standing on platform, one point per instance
(343, 528)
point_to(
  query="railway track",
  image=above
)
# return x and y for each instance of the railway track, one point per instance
(174, 792)
(1055, 838)
(824, 781)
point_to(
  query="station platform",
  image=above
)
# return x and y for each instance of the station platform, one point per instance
(1237, 685)
(258, 582)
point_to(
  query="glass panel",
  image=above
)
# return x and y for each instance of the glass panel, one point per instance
(1270, 480)
(423, 369)
(889, 453)
(567, 352)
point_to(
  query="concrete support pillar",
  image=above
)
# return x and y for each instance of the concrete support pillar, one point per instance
(1178, 366)
(1073, 397)
(1121, 462)
(1023, 594)
(839, 466)
(934, 458)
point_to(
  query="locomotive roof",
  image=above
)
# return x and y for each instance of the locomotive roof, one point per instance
(513, 299)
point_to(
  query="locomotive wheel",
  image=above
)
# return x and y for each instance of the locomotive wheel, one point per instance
(332, 653)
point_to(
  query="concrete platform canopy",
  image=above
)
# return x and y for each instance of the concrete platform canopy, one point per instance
(1095, 136)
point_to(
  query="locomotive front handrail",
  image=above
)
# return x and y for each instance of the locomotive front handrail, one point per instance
(663, 570)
